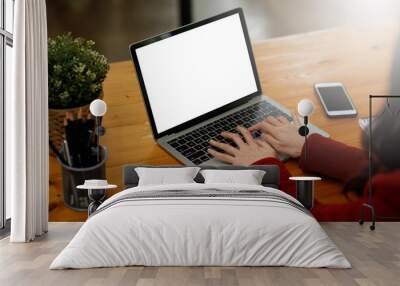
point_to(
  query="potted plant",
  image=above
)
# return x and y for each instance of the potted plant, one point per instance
(76, 73)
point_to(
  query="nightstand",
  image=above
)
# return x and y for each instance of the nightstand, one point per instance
(305, 190)
(96, 192)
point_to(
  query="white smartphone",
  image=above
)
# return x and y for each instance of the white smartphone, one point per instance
(335, 99)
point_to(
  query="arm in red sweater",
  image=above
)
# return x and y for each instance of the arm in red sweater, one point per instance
(330, 212)
(332, 159)
(285, 184)
(342, 162)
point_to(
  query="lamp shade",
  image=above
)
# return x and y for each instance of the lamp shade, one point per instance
(305, 107)
(98, 108)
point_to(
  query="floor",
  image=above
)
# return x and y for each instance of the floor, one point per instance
(375, 257)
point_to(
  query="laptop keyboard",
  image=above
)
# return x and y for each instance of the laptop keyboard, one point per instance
(193, 145)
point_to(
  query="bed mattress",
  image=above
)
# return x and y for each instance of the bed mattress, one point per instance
(201, 225)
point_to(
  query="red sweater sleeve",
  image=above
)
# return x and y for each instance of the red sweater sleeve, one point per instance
(331, 158)
(322, 212)
(337, 160)
(285, 184)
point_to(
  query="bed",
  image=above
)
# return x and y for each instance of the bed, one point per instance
(201, 224)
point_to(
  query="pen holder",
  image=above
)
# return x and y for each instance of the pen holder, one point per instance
(72, 177)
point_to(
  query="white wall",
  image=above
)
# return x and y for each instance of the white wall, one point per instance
(272, 18)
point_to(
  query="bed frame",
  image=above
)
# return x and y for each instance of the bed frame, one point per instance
(270, 179)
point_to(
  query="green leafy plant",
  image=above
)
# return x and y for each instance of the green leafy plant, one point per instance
(76, 71)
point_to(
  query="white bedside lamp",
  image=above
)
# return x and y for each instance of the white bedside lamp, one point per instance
(98, 109)
(305, 109)
(305, 185)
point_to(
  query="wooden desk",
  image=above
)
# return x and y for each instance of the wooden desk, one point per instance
(288, 67)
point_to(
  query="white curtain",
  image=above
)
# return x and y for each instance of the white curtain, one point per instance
(27, 124)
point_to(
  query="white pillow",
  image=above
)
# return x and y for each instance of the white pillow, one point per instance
(248, 177)
(164, 176)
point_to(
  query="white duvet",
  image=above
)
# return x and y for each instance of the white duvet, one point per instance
(200, 231)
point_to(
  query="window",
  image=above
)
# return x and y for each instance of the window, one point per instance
(6, 64)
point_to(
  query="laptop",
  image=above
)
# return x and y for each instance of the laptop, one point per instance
(199, 80)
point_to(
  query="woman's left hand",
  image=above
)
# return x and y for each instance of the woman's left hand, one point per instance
(247, 152)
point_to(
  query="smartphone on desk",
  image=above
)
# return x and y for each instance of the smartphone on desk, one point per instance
(335, 99)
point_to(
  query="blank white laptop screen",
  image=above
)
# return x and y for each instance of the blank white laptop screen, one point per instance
(197, 71)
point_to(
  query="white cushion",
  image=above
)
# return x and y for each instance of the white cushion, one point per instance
(247, 177)
(163, 176)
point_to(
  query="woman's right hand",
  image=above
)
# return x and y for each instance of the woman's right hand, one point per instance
(281, 134)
